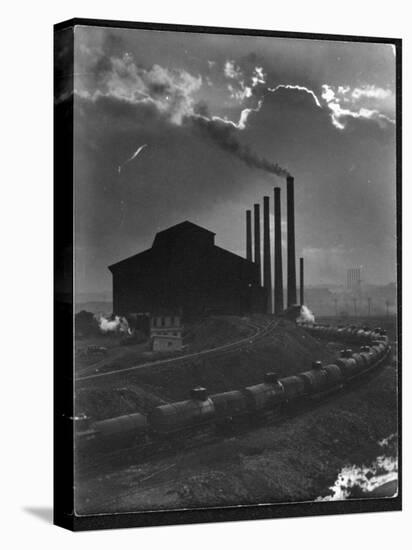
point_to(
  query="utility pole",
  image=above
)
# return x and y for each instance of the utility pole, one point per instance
(354, 306)
(369, 306)
(387, 307)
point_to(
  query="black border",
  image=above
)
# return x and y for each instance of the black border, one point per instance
(64, 307)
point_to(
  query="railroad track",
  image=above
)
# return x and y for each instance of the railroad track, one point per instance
(260, 333)
(104, 462)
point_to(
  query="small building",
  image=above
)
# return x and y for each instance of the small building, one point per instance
(166, 332)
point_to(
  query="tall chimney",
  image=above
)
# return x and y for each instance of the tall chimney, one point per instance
(256, 208)
(249, 235)
(301, 282)
(291, 242)
(267, 275)
(277, 254)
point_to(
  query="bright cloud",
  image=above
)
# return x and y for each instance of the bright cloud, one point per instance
(296, 87)
(231, 70)
(370, 92)
(365, 102)
(170, 91)
(242, 81)
(258, 76)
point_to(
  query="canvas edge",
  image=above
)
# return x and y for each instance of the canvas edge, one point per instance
(63, 492)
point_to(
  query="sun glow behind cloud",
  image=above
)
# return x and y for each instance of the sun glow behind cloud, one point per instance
(176, 93)
(345, 103)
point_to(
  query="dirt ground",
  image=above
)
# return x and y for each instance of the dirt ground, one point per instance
(296, 459)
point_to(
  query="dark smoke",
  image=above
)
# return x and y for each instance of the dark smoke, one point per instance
(222, 134)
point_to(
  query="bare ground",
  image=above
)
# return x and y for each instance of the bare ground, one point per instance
(297, 459)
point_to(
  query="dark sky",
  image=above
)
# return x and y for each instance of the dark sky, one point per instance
(215, 111)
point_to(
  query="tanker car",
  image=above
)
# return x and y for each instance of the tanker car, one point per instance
(203, 413)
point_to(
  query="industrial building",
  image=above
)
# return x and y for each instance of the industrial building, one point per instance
(185, 271)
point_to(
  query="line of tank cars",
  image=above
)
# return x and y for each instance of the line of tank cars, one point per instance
(205, 413)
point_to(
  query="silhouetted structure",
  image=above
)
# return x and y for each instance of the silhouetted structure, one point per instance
(301, 282)
(290, 196)
(256, 210)
(184, 270)
(249, 235)
(277, 254)
(267, 274)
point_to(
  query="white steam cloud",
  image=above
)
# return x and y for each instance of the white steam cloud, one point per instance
(118, 324)
(306, 316)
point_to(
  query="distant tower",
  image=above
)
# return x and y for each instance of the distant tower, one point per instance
(353, 279)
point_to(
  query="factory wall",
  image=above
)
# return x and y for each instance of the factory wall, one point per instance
(185, 270)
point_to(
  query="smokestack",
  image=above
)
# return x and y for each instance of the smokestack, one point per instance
(277, 254)
(257, 238)
(249, 235)
(267, 276)
(302, 283)
(291, 242)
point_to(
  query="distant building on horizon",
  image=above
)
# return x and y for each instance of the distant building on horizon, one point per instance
(353, 279)
(185, 271)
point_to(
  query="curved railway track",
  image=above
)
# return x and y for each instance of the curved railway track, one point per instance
(158, 448)
(260, 332)
(134, 455)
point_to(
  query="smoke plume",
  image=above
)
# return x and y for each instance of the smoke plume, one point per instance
(306, 316)
(222, 133)
(118, 324)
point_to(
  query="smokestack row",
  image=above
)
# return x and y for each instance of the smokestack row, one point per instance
(275, 298)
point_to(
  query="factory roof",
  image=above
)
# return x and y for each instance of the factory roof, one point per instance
(184, 230)
(185, 234)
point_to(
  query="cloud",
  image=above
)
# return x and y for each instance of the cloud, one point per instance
(243, 81)
(170, 91)
(298, 88)
(240, 94)
(231, 70)
(369, 92)
(365, 102)
(258, 76)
